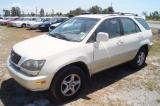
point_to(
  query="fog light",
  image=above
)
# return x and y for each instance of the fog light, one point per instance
(41, 82)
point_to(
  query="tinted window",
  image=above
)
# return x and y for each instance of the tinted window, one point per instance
(143, 23)
(111, 27)
(129, 26)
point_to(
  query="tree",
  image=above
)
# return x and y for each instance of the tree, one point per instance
(52, 14)
(41, 12)
(23, 14)
(105, 11)
(15, 11)
(60, 13)
(77, 11)
(144, 13)
(6, 12)
(33, 14)
(57, 13)
(95, 9)
(47, 14)
(110, 10)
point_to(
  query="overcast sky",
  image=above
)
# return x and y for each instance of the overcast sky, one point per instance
(64, 6)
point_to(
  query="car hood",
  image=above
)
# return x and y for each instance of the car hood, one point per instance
(45, 23)
(56, 24)
(41, 47)
(36, 23)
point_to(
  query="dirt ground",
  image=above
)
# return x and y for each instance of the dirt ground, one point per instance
(119, 86)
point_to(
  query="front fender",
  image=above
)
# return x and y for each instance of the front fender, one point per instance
(56, 62)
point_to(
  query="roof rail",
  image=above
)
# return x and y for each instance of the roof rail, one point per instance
(126, 14)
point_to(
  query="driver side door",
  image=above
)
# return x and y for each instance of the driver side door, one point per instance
(109, 53)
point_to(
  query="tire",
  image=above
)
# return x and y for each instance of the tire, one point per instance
(68, 83)
(139, 60)
(23, 25)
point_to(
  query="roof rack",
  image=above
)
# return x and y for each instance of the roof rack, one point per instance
(125, 13)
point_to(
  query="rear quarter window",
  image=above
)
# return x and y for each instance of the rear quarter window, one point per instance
(143, 23)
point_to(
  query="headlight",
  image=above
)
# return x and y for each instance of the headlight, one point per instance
(32, 66)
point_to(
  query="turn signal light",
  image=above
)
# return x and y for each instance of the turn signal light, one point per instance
(40, 82)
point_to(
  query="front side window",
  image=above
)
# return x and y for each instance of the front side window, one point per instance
(75, 29)
(129, 26)
(111, 27)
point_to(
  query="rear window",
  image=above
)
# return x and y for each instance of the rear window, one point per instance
(143, 23)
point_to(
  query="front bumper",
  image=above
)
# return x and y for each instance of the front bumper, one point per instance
(33, 26)
(150, 46)
(42, 28)
(29, 82)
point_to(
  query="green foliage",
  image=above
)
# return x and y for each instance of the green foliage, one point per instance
(33, 14)
(95, 9)
(75, 12)
(15, 11)
(42, 12)
(152, 16)
(108, 10)
(6, 12)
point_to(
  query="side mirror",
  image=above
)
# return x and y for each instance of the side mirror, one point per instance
(101, 36)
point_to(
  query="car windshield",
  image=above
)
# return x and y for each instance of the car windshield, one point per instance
(19, 19)
(75, 29)
(53, 20)
(9, 19)
(39, 19)
(25, 19)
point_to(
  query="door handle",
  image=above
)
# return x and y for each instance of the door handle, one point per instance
(140, 37)
(119, 42)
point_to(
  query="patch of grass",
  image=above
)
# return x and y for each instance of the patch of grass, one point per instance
(155, 49)
(151, 85)
(119, 102)
(158, 100)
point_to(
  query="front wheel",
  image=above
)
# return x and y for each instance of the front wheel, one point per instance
(68, 83)
(139, 60)
(23, 25)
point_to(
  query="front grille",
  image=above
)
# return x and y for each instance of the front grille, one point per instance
(15, 57)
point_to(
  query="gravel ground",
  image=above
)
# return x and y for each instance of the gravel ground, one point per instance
(119, 86)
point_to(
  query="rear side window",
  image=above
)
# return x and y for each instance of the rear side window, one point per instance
(143, 23)
(129, 26)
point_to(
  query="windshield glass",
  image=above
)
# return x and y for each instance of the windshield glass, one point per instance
(39, 19)
(9, 19)
(53, 20)
(74, 29)
(25, 19)
(19, 19)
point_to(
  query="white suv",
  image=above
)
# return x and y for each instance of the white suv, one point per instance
(65, 58)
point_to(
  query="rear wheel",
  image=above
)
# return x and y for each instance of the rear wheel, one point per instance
(139, 60)
(68, 83)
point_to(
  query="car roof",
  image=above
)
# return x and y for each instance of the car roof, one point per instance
(100, 16)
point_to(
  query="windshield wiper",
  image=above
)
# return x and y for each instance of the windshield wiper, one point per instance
(61, 36)
(51, 35)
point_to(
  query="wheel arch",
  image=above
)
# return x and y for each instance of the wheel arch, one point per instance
(146, 48)
(79, 64)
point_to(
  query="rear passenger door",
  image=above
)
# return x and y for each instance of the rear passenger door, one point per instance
(132, 38)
